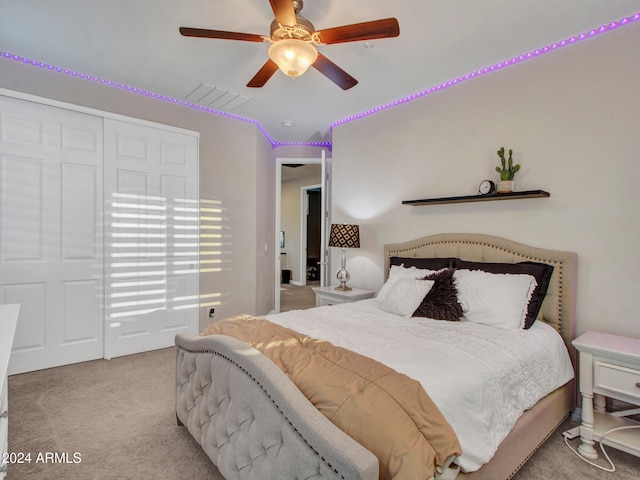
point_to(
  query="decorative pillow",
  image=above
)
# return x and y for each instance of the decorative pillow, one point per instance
(441, 303)
(541, 272)
(497, 299)
(424, 263)
(397, 272)
(405, 296)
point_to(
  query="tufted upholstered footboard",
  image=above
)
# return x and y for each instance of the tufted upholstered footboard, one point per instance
(253, 422)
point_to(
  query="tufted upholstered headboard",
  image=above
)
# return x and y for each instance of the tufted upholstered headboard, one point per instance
(559, 306)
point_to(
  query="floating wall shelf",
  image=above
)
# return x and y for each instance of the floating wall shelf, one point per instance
(479, 198)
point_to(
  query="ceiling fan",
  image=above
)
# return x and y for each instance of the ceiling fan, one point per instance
(292, 37)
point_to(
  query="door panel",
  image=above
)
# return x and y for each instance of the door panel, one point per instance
(81, 320)
(22, 202)
(79, 213)
(51, 232)
(152, 275)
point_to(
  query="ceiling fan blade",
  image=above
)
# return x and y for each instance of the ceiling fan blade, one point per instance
(384, 28)
(334, 72)
(263, 75)
(284, 12)
(204, 33)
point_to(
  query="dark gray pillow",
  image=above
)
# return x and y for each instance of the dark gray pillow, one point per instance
(425, 263)
(441, 302)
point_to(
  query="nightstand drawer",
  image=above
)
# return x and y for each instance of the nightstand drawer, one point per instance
(324, 301)
(616, 378)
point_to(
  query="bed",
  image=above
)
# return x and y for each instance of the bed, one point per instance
(253, 422)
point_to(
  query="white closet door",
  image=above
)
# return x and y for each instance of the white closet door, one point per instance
(51, 232)
(151, 236)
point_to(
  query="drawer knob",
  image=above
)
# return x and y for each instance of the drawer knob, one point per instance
(638, 384)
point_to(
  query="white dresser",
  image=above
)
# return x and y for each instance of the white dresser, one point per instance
(8, 321)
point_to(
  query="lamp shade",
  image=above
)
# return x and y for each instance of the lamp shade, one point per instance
(344, 235)
(293, 56)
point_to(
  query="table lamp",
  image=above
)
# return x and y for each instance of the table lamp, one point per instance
(344, 236)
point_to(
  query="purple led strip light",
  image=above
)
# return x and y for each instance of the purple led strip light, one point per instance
(521, 58)
(139, 91)
(157, 96)
(274, 144)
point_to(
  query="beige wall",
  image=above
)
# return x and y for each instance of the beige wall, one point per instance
(571, 117)
(235, 160)
(265, 225)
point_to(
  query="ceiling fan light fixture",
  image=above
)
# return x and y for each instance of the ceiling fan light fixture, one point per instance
(293, 56)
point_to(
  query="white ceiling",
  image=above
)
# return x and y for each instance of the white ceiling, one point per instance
(136, 42)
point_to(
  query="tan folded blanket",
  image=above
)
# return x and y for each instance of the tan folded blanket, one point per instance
(385, 411)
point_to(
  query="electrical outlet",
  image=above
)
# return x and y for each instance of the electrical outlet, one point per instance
(211, 312)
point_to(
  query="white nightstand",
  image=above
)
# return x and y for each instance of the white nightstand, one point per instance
(331, 296)
(609, 367)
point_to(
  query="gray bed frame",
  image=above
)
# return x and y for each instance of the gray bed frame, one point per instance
(253, 423)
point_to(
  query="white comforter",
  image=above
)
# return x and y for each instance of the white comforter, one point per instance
(482, 378)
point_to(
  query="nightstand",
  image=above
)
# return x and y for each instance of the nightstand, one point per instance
(331, 296)
(609, 367)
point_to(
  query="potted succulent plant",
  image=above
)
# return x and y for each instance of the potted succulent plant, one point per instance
(507, 172)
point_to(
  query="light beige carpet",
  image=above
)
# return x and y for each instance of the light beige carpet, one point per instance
(294, 297)
(119, 416)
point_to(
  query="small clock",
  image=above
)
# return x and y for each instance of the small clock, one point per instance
(486, 187)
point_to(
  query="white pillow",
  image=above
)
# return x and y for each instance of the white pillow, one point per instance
(397, 272)
(497, 299)
(405, 296)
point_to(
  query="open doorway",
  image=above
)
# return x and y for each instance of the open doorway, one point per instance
(301, 225)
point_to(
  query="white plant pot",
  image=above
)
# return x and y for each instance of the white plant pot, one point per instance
(504, 186)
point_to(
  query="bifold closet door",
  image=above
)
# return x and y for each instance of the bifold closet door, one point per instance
(51, 232)
(151, 236)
